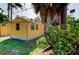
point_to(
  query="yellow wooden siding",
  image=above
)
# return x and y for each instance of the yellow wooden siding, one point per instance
(35, 33)
(20, 34)
(25, 31)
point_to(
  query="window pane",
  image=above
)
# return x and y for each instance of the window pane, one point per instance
(32, 26)
(36, 26)
(17, 26)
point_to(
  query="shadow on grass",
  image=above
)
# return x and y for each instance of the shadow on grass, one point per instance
(17, 47)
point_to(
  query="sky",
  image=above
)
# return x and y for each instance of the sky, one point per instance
(31, 14)
(76, 7)
(28, 13)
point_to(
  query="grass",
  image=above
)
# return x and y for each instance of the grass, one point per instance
(14, 47)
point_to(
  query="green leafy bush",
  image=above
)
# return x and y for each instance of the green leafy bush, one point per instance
(42, 43)
(63, 40)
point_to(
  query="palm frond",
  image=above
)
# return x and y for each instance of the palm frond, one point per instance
(50, 9)
(18, 5)
(1, 9)
(14, 6)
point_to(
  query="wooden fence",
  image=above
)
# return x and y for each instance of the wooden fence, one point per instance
(4, 30)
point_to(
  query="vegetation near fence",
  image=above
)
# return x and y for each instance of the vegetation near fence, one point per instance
(63, 40)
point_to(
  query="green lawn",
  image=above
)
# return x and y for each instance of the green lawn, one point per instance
(12, 47)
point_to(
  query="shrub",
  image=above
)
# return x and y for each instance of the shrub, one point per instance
(42, 43)
(65, 40)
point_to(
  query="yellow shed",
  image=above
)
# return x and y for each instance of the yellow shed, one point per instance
(26, 30)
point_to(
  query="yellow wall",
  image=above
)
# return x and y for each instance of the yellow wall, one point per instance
(25, 31)
(5, 30)
(35, 33)
(20, 34)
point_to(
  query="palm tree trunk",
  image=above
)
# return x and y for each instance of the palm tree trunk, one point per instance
(48, 19)
(59, 18)
(63, 15)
